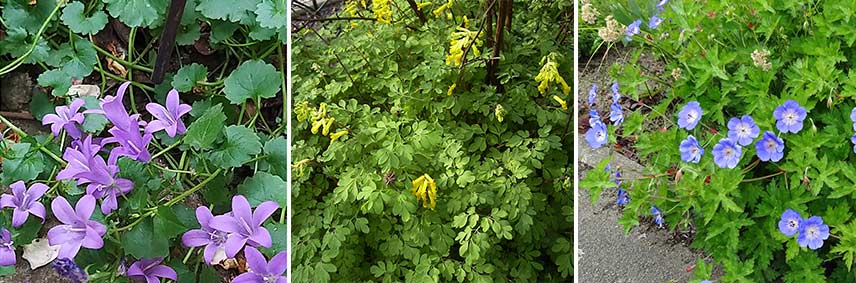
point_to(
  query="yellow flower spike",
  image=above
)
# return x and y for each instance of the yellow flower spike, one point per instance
(335, 136)
(499, 113)
(452, 89)
(322, 110)
(561, 102)
(327, 126)
(443, 8)
(466, 22)
(317, 125)
(423, 5)
(425, 189)
(432, 191)
(550, 73)
(382, 11)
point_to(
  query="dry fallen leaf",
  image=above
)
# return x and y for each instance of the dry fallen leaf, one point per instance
(116, 67)
(82, 90)
(39, 253)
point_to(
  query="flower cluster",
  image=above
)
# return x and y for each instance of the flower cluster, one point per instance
(597, 135)
(230, 232)
(382, 10)
(588, 12)
(653, 22)
(67, 268)
(550, 73)
(741, 132)
(658, 216)
(425, 189)
(811, 231)
(612, 31)
(459, 40)
(759, 58)
(322, 121)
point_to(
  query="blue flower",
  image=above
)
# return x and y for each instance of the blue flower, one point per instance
(632, 29)
(706, 281)
(658, 216)
(691, 151)
(853, 117)
(690, 115)
(618, 178)
(593, 117)
(655, 21)
(812, 233)
(617, 114)
(770, 147)
(662, 3)
(789, 117)
(597, 135)
(592, 94)
(853, 140)
(726, 154)
(616, 93)
(789, 224)
(743, 130)
(66, 268)
(623, 198)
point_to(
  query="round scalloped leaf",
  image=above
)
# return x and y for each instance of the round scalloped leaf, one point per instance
(73, 17)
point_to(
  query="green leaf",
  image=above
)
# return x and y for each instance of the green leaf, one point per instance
(167, 224)
(251, 80)
(263, 187)
(203, 132)
(41, 105)
(279, 237)
(58, 80)
(73, 17)
(271, 14)
(22, 163)
(188, 76)
(276, 161)
(156, 245)
(93, 123)
(138, 13)
(241, 144)
(228, 10)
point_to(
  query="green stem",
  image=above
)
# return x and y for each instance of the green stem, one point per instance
(168, 148)
(41, 147)
(20, 60)
(121, 79)
(186, 193)
(122, 61)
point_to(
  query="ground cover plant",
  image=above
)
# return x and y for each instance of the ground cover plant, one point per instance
(747, 135)
(433, 142)
(178, 179)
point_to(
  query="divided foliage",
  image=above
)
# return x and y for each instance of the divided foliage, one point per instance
(403, 175)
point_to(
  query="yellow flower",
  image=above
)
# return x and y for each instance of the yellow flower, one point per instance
(550, 73)
(561, 102)
(452, 88)
(443, 7)
(425, 189)
(327, 126)
(316, 125)
(423, 5)
(499, 113)
(335, 136)
(458, 41)
(382, 11)
(466, 22)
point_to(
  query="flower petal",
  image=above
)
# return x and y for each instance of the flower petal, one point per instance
(163, 271)
(248, 278)
(262, 237)
(241, 208)
(278, 263)
(19, 216)
(92, 240)
(38, 209)
(36, 191)
(226, 223)
(7, 200)
(68, 249)
(62, 210)
(85, 206)
(234, 244)
(7, 256)
(204, 216)
(256, 261)
(264, 211)
(195, 238)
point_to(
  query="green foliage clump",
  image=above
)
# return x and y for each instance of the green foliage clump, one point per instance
(409, 169)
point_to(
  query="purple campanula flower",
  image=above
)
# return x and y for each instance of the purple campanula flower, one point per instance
(262, 271)
(658, 216)
(114, 110)
(211, 238)
(77, 230)
(632, 29)
(770, 147)
(132, 143)
(66, 267)
(616, 115)
(616, 92)
(25, 201)
(66, 117)
(151, 270)
(743, 130)
(726, 154)
(7, 249)
(104, 184)
(245, 225)
(78, 157)
(789, 224)
(597, 135)
(689, 116)
(789, 117)
(592, 94)
(690, 149)
(623, 198)
(812, 233)
(169, 117)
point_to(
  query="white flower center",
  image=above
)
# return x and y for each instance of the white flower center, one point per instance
(790, 117)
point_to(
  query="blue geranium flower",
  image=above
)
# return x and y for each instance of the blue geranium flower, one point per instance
(853, 117)
(616, 93)
(690, 149)
(743, 130)
(617, 114)
(770, 147)
(632, 29)
(789, 117)
(726, 154)
(593, 117)
(690, 115)
(655, 21)
(623, 198)
(812, 233)
(789, 224)
(853, 140)
(597, 135)
(658, 216)
(592, 94)
(662, 3)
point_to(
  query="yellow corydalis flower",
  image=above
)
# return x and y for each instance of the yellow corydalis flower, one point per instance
(425, 189)
(335, 136)
(499, 113)
(382, 11)
(550, 73)
(561, 102)
(443, 7)
(423, 5)
(452, 89)
(458, 41)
